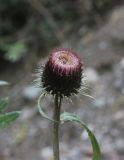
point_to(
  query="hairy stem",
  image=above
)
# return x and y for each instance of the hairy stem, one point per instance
(56, 123)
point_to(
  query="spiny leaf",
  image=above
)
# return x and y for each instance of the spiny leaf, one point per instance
(3, 103)
(7, 118)
(96, 149)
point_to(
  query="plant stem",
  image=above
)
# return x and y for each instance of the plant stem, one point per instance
(56, 123)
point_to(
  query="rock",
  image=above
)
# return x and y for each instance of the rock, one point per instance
(103, 45)
(122, 63)
(27, 113)
(46, 153)
(123, 91)
(84, 135)
(116, 24)
(3, 83)
(100, 102)
(119, 145)
(31, 92)
(119, 75)
(119, 116)
(91, 75)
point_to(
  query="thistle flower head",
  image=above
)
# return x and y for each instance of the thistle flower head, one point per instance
(62, 73)
(64, 62)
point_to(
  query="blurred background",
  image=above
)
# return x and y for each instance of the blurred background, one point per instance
(29, 30)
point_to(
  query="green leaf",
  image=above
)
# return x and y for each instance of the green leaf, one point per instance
(3, 83)
(41, 109)
(96, 149)
(7, 118)
(15, 51)
(3, 103)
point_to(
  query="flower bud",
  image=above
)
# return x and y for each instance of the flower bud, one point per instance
(62, 73)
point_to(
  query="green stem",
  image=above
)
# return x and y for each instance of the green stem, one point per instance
(56, 123)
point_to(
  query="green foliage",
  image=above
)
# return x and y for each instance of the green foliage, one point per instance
(3, 103)
(15, 51)
(71, 117)
(6, 118)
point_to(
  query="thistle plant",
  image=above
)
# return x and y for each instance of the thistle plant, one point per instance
(62, 77)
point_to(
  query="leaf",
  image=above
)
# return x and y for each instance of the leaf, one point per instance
(3, 83)
(96, 149)
(15, 51)
(41, 109)
(3, 103)
(7, 118)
